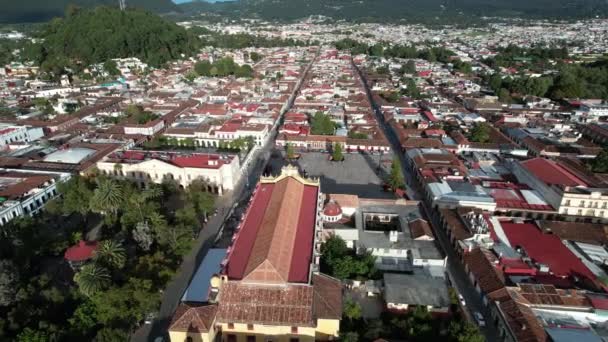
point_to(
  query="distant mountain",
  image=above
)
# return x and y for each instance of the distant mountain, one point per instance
(422, 10)
(19, 11)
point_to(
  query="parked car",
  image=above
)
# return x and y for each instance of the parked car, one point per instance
(150, 317)
(461, 300)
(479, 319)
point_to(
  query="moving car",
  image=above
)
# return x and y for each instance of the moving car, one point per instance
(479, 319)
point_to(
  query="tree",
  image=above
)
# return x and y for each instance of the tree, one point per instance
(337, 152)
(504, 95)
(395, 178)
(112, 335)
(462, 331)
(255, 57)
(333, 249)
(76, 195)
(480, 133)
(127, 304)
(84, 318)
(107, 197)
(600, 163)
(352, 310)
(30, 335)
(375, 328)
(8, 282)
(351, 336)
(290, 152)
(92, 278)
(411, 89)
(111, 68)
(408, 68)
(357, 135)
(321, 124)
(111, 253)
(202, 201)
(143, 236)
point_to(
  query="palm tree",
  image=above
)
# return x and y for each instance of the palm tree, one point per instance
(111, 253)
(92, 278)
(107, 198)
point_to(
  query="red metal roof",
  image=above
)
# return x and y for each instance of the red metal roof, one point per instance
(551, 173)
(599, 301)
(275, 240)
(302, 253)
(546, 249)
(81, 252)
(248, 232)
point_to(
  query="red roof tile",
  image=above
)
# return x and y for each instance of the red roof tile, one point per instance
(551, 173)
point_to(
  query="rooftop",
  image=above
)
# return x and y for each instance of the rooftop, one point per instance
(545, 249)
(551, 172)
(274, 242)
(70, 155)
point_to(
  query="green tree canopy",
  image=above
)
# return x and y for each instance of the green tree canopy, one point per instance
(337, 154)
(395, 178)
(321, 124)
(480, 133)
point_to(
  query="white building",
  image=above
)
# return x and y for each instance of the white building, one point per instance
(26, 193)
(220, 172)
(147, 129)
(13, 133)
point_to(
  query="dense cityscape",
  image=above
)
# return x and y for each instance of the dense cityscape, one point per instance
(205, 178)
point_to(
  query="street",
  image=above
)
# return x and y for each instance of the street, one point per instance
(454, 268)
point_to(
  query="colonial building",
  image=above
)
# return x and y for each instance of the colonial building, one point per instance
(220, 172)
(269, 287)
(26, 193)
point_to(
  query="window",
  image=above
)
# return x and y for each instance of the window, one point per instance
(188, 339)
(250, 338)
(294, 330)
(249, 326)
(231, 337)
(582, 203)
(567, 203)
(230, 326)
(294, 340)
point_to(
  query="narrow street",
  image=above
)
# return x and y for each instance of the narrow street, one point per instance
(225, 204)
(454, 268)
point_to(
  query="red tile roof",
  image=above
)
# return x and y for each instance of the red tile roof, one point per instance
(551, 173)
(255, 304)
(193, 318)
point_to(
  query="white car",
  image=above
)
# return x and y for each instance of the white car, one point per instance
(461, 300)
(479, 319)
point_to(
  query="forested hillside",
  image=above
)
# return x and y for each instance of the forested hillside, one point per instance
(43, 10)
(96, 35)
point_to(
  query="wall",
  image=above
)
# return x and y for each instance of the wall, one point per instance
(155, 171)
(180, 336)
(265, 333)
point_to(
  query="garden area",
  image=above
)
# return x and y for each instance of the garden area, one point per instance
(142, 236)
